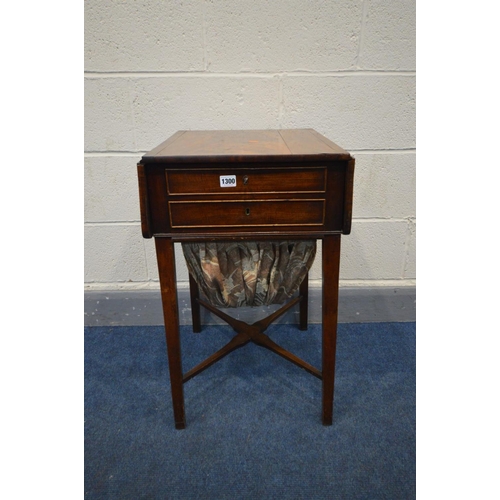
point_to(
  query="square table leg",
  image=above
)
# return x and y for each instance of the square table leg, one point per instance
(331, 265)
(168, 283)
(194, 293)
(304, 303)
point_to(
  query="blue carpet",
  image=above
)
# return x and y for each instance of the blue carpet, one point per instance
(253, 420)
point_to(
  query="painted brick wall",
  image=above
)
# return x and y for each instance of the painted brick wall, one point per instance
(344, 68)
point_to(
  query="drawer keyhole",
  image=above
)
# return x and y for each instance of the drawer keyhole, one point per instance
(247, 211)
(245, 180)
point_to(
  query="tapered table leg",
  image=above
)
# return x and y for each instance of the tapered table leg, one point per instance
(304, 303)
(168, 284)
(194, 292)
(331, 263)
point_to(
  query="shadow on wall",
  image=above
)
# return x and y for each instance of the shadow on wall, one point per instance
(374, 303)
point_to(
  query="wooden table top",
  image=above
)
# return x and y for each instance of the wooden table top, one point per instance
(245, 145)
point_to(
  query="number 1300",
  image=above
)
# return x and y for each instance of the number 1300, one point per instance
(227, 180)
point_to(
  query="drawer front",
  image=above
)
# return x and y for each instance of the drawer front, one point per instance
(238, 181)
(263, 213)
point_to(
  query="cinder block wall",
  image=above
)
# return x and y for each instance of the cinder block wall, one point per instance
(344, 68)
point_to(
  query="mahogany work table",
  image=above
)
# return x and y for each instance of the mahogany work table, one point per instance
(248, 185)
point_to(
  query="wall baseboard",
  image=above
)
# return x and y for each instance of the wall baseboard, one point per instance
(356, 305)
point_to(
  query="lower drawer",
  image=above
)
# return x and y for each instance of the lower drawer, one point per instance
(193, 214)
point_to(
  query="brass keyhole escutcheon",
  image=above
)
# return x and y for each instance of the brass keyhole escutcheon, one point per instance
(245, 180)
(247, 211)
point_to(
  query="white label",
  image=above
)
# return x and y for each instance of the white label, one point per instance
(227, 181)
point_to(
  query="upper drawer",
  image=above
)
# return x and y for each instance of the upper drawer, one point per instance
(239, 180)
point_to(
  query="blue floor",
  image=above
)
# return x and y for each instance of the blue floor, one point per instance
(253, 420)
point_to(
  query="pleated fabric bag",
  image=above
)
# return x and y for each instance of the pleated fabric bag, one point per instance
(238, 274)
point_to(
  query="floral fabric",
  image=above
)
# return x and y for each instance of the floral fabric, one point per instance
(236, 274)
